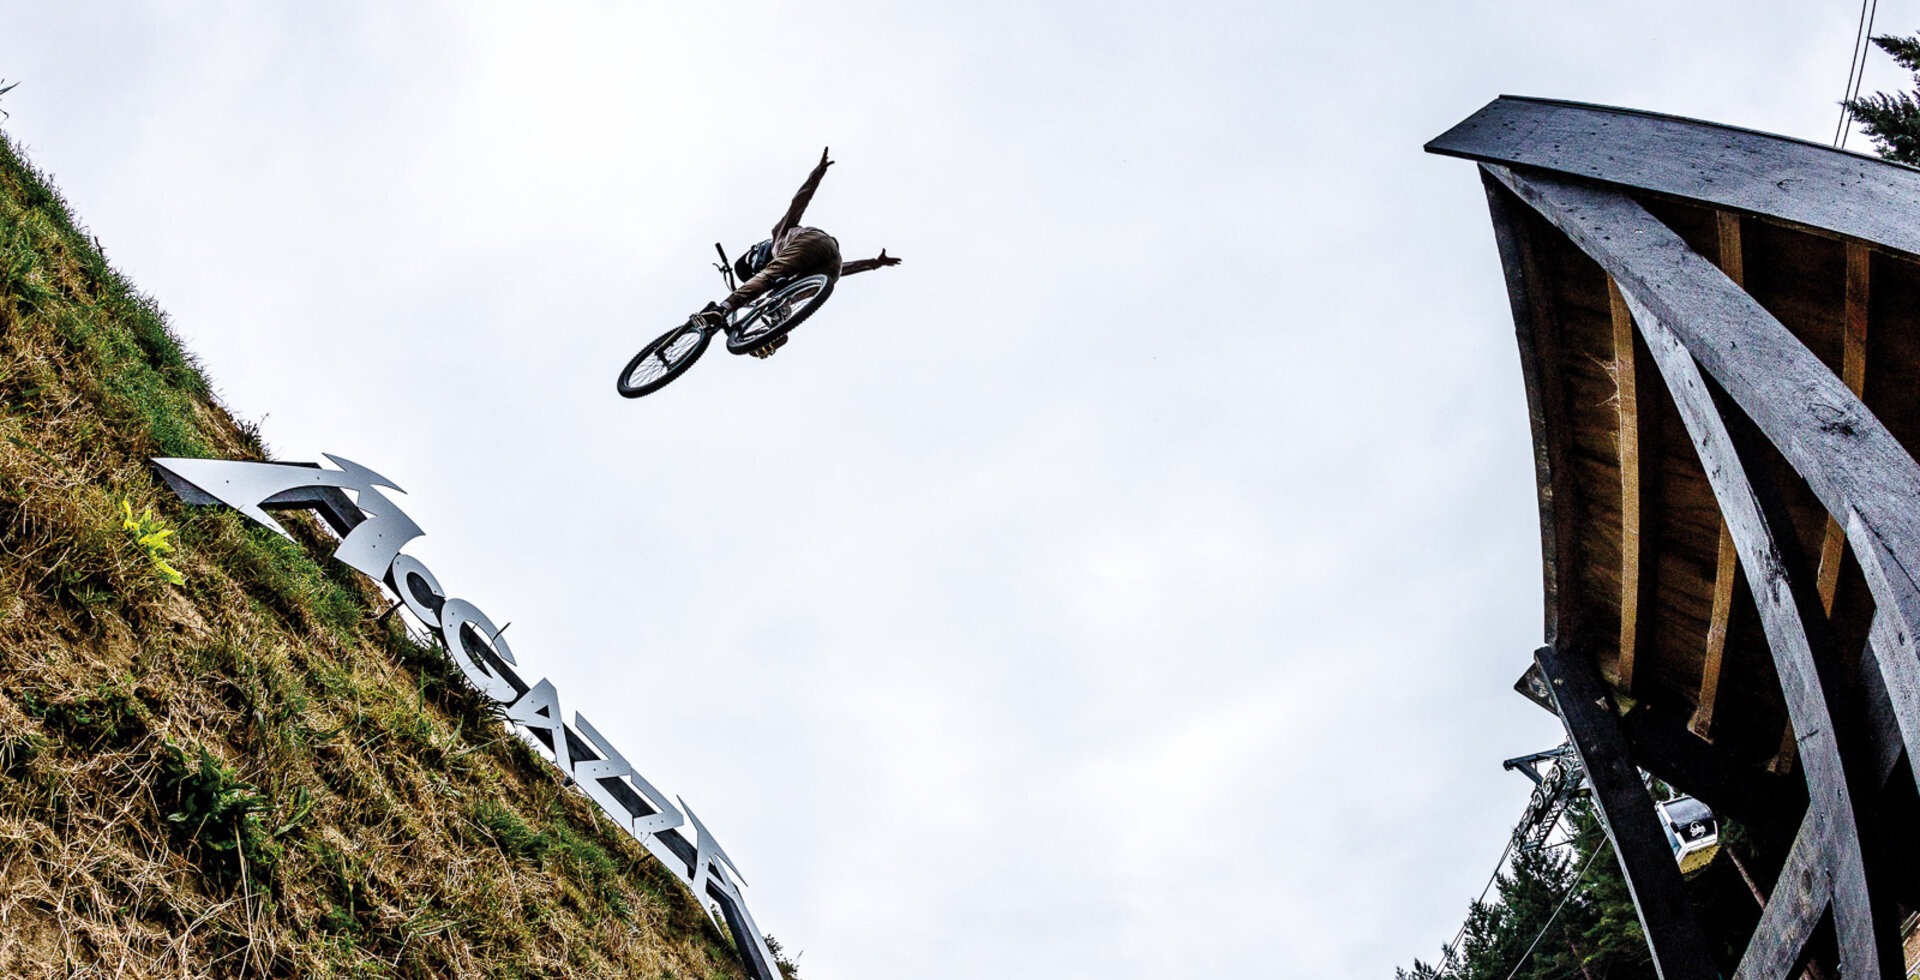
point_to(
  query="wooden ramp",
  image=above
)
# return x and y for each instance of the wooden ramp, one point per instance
(1720, 336)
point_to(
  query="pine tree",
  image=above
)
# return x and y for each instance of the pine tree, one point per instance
(1420, 971)
(1893, 120)
(1560, 914)
(1605, 929)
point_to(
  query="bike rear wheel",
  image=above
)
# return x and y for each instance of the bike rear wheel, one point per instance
(779, 312)
(666, 358)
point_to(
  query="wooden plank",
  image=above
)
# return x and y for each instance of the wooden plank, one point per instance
(1853, 371)
(1845, 454)
(1732, 257)
(1732, 260)
(1884, 739)
(1858, 470)
(1782, 761)
(1807, 184)
(1852, 463)
(1726, 577)
(1891, 642)
(1800, 896)
(1833, 552)
(1673, 933)
(1536, 329)
(1670, 289)
(1831, 814)
(1627, 419)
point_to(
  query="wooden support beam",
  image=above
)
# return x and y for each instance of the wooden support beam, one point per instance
(1732, 260)
(1860, 472)
(1800, 897)
(1782, 761)
(1627, 417)
(1853, 372)
(1726, 577)
(1891, 643)
(1646, 860)
(1853, 361)
(1832, 814)
(1693, 316)
(1848, 458)
(1882, 720)
(1537, 332)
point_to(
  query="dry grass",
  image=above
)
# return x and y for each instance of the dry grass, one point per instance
(248, 774)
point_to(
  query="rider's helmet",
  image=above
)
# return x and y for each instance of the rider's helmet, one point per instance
(753, 260)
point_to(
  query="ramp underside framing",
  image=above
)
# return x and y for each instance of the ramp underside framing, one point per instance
(1713, 324)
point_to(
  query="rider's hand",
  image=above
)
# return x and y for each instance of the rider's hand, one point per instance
(886, 259)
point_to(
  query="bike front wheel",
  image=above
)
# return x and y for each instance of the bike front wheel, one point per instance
(778, 313)
(666, 358)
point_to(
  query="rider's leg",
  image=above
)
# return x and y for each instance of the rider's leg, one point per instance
(805, 252)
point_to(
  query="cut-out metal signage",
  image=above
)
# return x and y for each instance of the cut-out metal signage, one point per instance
(372, 530)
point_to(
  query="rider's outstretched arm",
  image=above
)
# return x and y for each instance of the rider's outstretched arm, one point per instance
(862, 265)
(803, 198)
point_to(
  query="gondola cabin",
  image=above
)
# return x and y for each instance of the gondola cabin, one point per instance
(1692, 830)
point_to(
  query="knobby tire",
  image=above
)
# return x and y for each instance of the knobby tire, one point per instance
(663, 360)
(775, 316)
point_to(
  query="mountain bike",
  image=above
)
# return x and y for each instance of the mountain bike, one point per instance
(762, 322)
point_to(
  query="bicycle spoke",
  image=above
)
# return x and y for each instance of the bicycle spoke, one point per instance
(777, 313)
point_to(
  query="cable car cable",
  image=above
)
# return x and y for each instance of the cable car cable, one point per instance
(1865, 50)
(1556, 913)
(1453, 948)
(1853, 58)
(1856, 67)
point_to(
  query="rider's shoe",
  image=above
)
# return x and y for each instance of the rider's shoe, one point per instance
(713, 316)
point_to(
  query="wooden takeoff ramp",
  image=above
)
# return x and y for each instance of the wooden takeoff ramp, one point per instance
(1720, 336)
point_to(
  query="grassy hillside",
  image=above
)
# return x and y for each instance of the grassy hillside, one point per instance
(215, 758)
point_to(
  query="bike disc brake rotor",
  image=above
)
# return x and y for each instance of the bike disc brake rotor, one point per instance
(776, 314)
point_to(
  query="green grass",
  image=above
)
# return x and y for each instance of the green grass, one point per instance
(246, 769)
(561, 845)
(217, 817)
(109, 717)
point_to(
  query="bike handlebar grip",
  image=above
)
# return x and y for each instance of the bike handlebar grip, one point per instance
(722, 251)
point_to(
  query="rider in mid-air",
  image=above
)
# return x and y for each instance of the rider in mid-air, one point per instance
(794, 250)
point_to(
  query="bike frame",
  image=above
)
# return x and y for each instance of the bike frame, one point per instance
(651, 368)
(726, 275)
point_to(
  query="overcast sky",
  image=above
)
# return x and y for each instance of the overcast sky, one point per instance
(1127, 585)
